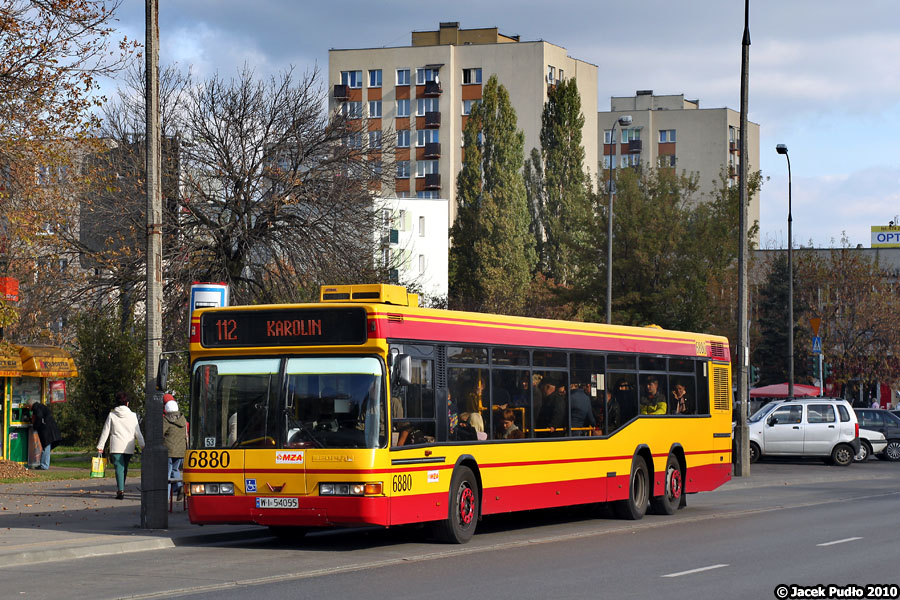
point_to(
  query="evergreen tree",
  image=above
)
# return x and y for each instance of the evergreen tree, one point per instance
(492, 253)
(537, 201)
(568, 213)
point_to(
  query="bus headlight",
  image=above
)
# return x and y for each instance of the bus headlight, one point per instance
(350, 489)
(212, 489)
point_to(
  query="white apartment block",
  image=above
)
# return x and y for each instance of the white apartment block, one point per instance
(423, 94)
(671, 132)
(414, 242)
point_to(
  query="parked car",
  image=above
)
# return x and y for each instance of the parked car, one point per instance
(887, 423)
(870, 442)
(825, 427)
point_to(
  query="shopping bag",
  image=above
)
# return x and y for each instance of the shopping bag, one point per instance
(98, 466)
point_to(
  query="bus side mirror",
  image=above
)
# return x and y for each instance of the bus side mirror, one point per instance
(402, 369)
(162, 374)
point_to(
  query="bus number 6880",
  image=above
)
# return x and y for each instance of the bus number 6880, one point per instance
(402, 483)
(213, 459)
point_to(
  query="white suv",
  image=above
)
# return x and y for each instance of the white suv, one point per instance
(825, 427)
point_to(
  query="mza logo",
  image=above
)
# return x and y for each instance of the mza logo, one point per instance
(289, 457)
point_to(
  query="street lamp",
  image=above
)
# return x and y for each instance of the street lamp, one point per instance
(782, 149)
(624, 121)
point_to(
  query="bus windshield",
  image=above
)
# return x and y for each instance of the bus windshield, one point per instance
(333, 402)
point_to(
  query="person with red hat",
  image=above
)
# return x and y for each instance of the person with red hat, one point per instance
(176, 438)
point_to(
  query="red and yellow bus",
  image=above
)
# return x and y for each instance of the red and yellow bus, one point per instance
(365, 409)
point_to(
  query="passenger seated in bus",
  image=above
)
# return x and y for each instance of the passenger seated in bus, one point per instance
(399, 429)
(652, 401)
(554, 411)
(613, 414)
(507, 428)
(470, 427)
(626, 400)
(680, 402)
(580, 407)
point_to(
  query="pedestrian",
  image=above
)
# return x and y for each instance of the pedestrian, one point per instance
(122, 429)
(176, 438)
(48, 432)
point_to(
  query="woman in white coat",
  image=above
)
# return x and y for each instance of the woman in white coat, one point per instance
(122, 429)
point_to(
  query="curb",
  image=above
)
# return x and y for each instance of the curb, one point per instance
(31, 557)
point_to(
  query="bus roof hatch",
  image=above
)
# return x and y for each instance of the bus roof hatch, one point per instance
(370, 292)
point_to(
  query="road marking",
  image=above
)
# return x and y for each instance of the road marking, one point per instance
(692, 571)
(853, 539)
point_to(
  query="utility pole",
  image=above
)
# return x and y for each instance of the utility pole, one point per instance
(154, 466)
(742, 428)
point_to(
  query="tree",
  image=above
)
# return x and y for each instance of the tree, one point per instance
(108, 360)
(567, 212)
(51, 54)
(770, 353)
(860, 313)
(492, 253)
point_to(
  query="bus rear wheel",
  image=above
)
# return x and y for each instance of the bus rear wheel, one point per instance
(459, 527)
(668, 502)
(635, 506)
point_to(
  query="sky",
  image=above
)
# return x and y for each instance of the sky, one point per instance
(823, 75)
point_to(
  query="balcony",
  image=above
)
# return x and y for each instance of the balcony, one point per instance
(341, 92)
(433, 181)
(432, 89)
(432, 120)
(432, 150)
(734, 146)
(635, 147)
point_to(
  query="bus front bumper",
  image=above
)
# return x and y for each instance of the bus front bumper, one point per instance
(311, 511)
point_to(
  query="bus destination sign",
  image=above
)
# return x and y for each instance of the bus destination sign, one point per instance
(283, 327)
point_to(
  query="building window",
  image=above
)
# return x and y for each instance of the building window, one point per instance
(421, 264)
(426, 136)
(402, 169)
(421, 226)
(402, 108)
(402, 76)
(351, 79)
(467, 106)
(630, 160)
(666, 135)
(375, 139)
(607, 136)
(376, 167)
(375, 109)
(562, 75)
(551, 74)
(404, 194)
(631, 134)
(403, 138)
(471, 76)
(665, 161)
(426, 167)
(353, 140)
(423, 76)
(606, 159)
(374, 77)
(351, 110)
(428, 194)
(426, 105)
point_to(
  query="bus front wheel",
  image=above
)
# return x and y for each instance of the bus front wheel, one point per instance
(459, 527)
(635, 506)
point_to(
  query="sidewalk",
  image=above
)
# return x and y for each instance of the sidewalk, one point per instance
(65, 519)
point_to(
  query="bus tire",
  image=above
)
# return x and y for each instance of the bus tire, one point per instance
(635, 506)
(459, 526)
(669, 501)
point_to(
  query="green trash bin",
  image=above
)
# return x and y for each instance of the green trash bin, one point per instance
(18, 443)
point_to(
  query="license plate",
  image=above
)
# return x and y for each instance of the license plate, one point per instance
(277, 503)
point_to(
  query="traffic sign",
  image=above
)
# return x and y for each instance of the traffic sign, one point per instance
(814, 322)
(817, 345)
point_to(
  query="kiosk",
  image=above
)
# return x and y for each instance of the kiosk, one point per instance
(32, 376)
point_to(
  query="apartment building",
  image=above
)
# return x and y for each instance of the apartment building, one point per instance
(422, 93)
(672, 132)
(414, 242)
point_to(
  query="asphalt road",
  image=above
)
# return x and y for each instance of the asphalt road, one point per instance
(840, 526)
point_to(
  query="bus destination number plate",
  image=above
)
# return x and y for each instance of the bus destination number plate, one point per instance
(277, 503)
